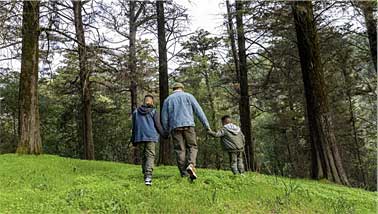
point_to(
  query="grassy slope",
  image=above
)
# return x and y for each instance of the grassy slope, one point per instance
(51, 184)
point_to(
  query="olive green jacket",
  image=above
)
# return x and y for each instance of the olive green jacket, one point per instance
(231, 136)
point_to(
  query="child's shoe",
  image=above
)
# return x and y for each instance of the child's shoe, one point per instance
(148, 180)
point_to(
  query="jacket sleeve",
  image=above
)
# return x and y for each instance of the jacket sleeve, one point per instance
(219, 133)
(199, 112)
(164, 116)
(157, 123)
(133, 128)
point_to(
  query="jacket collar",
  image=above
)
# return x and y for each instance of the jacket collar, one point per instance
(178, 90)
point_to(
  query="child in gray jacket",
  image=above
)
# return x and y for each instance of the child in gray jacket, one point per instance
(233, 142)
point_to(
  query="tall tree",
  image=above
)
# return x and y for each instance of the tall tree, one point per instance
(132, 67)
(245, 113)
(368, 8)
(84, 83)
(29, 127)
(231, 35)
(132, 54)
(164, 148)
(326, 161)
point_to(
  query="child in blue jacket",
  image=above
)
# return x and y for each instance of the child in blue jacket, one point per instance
(145, 134)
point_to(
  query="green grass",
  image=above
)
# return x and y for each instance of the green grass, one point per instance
(52, 184)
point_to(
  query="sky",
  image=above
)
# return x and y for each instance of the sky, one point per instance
(206, 14)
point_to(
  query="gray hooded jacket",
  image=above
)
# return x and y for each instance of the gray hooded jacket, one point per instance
(231, 136)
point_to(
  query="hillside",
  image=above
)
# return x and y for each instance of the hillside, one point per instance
(52, 184)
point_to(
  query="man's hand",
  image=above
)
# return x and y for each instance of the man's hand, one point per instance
(208, 130)
(166, 135)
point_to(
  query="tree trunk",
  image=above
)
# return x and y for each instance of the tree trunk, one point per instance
(165, 148)
(132, 67)
(132, 56)
(368, 8)
(84, 83)
(245, 114)
(15, 136)
(206, 149)
(29, 127)
(326, 160)
(231, 35)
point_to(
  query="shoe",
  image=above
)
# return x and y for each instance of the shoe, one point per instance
(184, 174)
(148, 180)
(192, 172)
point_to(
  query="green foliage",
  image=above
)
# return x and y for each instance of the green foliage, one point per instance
(8, 111)
(51, 184)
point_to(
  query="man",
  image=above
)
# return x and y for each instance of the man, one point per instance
(146, 126)
(177, 118)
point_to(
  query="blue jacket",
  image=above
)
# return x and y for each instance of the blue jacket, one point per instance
(178, 111)
(146, 125)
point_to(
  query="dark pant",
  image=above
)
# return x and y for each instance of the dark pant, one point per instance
(185, 138)
(148, 157)
(236, 162)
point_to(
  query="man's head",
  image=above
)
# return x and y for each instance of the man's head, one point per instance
(226, 119)
(178, 86)
(148, 100)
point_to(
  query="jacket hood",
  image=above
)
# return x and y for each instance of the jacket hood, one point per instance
(145, 109)
(234, 129)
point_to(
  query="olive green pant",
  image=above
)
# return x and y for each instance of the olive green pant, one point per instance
(236, 161)
(184, 138)
(147, 150)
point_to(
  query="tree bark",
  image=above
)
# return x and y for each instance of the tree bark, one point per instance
(84, 83)
(132, 66)
(245, 114)
(132, 56)
(231, 35)
(29, 127)
(165, 148)
(206, 149)
(326, 162)
(368, 8)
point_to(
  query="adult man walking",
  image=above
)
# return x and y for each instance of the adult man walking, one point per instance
(178, 119)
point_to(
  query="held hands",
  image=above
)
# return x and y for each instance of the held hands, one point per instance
(208, 130)
(165, 135)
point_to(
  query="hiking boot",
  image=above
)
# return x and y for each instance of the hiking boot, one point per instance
(192, 172)
(148, 180)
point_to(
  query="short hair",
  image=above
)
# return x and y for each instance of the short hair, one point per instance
(177, 85)
(225, 117)
(149, 95)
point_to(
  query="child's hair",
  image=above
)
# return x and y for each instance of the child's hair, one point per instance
(149, 95)
(226, 118)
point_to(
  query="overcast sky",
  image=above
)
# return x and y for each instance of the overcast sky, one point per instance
(206, 14)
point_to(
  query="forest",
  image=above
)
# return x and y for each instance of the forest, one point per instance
(298, 76)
